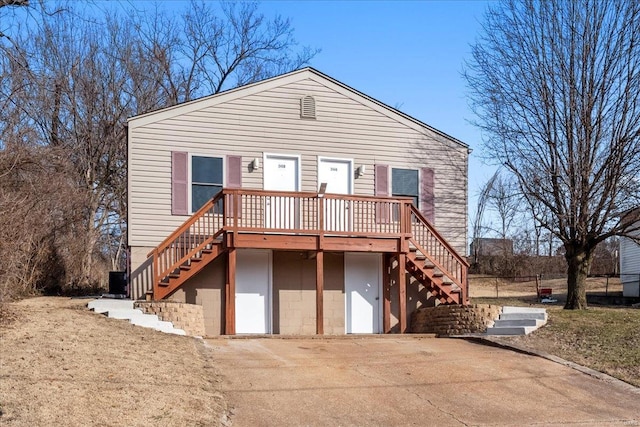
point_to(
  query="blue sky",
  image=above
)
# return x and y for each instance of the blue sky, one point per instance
(407, 54)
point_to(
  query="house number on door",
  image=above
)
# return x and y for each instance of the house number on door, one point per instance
(282, 166)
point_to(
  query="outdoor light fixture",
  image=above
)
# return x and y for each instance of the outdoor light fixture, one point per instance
(255, 164)
(360, 170)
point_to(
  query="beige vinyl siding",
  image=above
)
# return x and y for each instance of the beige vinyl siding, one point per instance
(268, 121)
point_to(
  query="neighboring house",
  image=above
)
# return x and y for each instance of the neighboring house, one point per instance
(485, 246)
(319, 218)
(630, 259)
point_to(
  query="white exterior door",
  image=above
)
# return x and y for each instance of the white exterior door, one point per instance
(281, 173)
(253, 291)
(338, 175)
(363, 284)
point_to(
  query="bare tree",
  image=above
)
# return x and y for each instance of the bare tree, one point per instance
(70, 79)
(478, 221)
(503, 199)
(556, 86)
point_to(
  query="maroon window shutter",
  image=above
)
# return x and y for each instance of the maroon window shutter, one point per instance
(234, 171)
(234, 176)
(427, 197)
(179, 183)
(381, 189)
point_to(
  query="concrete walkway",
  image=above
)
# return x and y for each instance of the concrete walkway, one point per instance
(398, 381)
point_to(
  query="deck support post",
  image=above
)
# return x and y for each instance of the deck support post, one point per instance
(320, 293)
(402, 292)
(386, 293)
(230, 294)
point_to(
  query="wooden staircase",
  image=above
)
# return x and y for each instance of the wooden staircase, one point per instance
(434, 263)
(189, 268)
(189, 249)
(431, 277)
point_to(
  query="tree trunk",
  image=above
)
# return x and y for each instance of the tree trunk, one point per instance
(578, 264)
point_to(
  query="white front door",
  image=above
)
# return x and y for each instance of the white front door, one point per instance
(281, 173)
(338, 175)
(253, 291)
(362, 286)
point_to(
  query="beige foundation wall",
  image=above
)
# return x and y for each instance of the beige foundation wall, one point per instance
(207, 289)
(334, 293)
(294, 293)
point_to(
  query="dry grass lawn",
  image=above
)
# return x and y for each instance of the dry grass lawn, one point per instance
(63, 365)
(602, 338)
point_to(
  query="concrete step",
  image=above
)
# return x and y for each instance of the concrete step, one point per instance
(124, 313)
(518, 322)
(176, 331)
(123, 309)
(518, 316)
(511, 309)
(104, 305)
(146, 320)
(513, 330)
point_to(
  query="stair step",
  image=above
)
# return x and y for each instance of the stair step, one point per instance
(512, 309)
(120, 313)
(145, 320)
(104, 305)
(185, 267)
(517, 316)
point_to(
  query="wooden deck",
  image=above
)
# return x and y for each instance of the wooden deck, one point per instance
(241, 218)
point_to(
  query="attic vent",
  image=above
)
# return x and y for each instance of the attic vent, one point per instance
(308, 107)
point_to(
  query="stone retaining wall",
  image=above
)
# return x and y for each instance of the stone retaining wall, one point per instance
(454, 319)
(188, 317)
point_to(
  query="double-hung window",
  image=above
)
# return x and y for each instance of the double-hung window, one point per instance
(405, 183)
(206, 179)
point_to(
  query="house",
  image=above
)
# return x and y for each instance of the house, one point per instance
(630, 257)
(296, 205)
(485, 246)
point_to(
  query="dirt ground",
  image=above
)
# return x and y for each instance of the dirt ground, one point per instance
(63, 365)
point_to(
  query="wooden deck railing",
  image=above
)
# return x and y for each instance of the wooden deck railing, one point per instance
(310, 213)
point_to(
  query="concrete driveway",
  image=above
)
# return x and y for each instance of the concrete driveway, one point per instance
(397, 381)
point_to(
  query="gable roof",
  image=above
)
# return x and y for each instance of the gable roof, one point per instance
(283, 79)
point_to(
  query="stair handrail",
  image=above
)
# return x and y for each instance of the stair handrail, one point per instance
(461, 278)
(183, 233)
